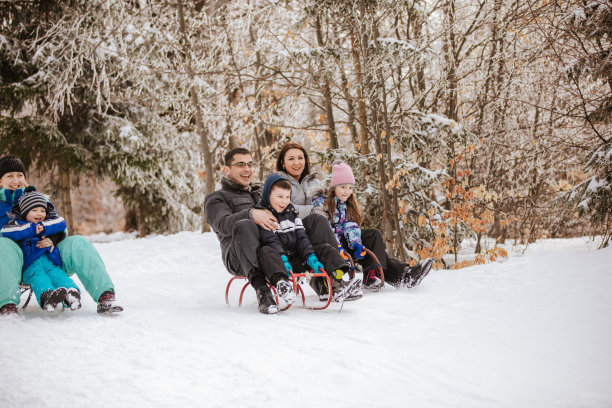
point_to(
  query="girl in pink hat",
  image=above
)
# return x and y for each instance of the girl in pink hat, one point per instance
(344, 215)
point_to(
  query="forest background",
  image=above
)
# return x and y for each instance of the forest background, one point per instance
(481, 119)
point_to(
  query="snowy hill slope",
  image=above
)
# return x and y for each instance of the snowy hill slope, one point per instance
(534, 331)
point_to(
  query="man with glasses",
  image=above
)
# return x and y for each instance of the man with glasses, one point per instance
(231, 214)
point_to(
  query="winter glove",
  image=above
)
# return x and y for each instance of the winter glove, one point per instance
(288, 266)
(314, 263)
(343, 253)
(358, 250)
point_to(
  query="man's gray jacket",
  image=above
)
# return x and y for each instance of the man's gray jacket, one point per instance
(225, 207)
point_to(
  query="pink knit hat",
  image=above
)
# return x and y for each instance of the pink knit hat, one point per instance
(341, 174)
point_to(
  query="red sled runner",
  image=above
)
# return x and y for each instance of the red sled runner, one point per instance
(297, 288)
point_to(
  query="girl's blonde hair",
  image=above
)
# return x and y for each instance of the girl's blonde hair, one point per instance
(352, 208)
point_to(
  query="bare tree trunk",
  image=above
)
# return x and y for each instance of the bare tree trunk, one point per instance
(483, 101)
(327, 101)
(140, 213)
(66, 200)
(195, 101)
(350, 106)
(393, 223)
(451, 61)
(258, 130)
(361, 105)
(231, 100)
(416, 21)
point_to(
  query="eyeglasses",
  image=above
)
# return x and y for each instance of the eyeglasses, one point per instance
(242, 165)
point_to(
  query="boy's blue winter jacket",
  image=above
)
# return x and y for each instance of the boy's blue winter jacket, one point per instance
(24, 233)
(8, 198)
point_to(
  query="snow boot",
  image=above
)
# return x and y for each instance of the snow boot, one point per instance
(348, 291)
(267, 305)
(414, 279)
(285, 291)
(107, 304)
(321, 289)
(52, 300)
(372, 281)
(9, 310)
(354, 292)
(73, 299)
(407, 276)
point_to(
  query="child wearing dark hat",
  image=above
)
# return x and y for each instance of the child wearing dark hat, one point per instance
(78, 255)
(32, 219)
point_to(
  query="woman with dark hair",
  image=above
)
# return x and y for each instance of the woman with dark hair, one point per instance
(292, 164)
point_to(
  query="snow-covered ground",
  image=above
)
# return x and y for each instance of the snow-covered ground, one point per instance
(535, 331)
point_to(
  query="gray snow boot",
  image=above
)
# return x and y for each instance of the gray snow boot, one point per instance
(348, 291)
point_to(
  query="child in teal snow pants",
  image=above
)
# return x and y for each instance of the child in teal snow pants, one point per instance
(32, 220)
(78, 255)
(47, 278)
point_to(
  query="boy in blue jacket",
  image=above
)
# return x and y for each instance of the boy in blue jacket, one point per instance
(32, 219)
(287, 247)
(78, 255)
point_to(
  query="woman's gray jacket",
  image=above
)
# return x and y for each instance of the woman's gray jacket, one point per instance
(302, 192)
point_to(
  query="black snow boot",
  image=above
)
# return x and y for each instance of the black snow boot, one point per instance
(267, 304)
(407, 276)
(416, 274)
(50, 300)
(321, 288)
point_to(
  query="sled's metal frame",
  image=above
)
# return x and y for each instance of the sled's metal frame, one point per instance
(296, 279)
(353, 268)
(377, 264)
(25, 288)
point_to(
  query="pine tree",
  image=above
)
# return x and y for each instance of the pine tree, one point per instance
(77, 102)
